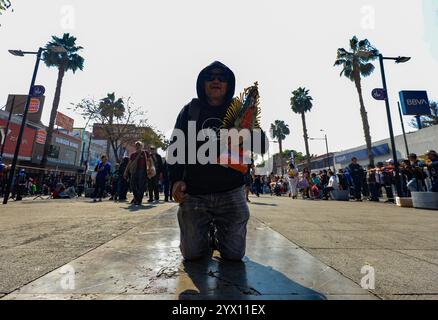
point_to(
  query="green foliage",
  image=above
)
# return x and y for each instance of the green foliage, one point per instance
(69, 60)
(279, 130)
(356, 62)
(118, 121)
(299, 157)
(110, 107)
(429, 120)
(301, 101)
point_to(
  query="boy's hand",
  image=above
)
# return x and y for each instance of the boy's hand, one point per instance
(178, 191)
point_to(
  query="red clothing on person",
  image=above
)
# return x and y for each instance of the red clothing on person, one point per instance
(142, 161)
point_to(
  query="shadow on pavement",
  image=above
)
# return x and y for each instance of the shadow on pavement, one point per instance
(134, 208)
(225, 280)
(264, 204)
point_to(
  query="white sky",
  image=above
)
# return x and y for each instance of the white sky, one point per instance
(153, 51)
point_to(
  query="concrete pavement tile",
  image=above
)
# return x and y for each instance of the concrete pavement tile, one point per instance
(168, 297)
(431, 235)
(292, 222)
(397, 240)
(351, 297)
(327, 239)
(430, 256)
(20, 266)
(411, 297)
(395, 273)
(126, 265)
(303, 269)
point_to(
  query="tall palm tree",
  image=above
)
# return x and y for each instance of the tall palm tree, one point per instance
(111, 108)
(64, 61)
(301, 102)
(279, 130)
(356, 64)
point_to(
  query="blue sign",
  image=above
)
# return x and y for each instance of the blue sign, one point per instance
(37, 91)
(379, 94)
(362, 154)
(415, 103)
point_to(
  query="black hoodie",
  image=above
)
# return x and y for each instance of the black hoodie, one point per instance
(210, 178)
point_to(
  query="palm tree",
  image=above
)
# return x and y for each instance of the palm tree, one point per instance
(355, 65)
(279, 131)
(301, 103)
(111, 108)
(64, 61)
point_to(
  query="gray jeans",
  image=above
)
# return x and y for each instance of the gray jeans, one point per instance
(227, 210)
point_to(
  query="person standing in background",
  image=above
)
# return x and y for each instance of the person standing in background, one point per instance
(153, 186)
(356, 173)
(165, 181)
(137, 171)
(122, 185)
(372, 183)
(103, 169)
(293, 180)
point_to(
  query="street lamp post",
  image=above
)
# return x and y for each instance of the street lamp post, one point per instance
(326, 147)
(388, 114)
(23, 123)
(20, 53)
(273, 157)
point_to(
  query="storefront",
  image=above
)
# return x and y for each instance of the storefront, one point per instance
(9, 139)
(64, 152)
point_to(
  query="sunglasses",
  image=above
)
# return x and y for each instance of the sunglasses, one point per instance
(219, 76)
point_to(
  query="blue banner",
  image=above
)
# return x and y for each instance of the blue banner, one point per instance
(362, 154)
(414, 103)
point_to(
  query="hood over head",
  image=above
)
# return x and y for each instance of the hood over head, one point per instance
(231, 81)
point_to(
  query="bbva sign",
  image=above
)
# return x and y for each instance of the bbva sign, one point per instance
(414, 103)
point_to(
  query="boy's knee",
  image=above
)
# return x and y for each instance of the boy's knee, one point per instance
(232, 256)
(194, 255)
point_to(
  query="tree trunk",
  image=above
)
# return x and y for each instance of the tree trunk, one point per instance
(109, 142)
(280, 146)
(116, 149)
(55, 105)
(365, 123)
(306, 140)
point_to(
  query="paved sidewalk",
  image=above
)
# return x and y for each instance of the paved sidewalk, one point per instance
(145, 263)
(401, 244)
(39, 236)
(296, 250)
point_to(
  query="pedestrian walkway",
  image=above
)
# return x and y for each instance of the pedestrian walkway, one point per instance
(145, 263)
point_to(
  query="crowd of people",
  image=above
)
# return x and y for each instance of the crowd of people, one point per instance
(29, 183)
(356, 182)
(145, 172)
